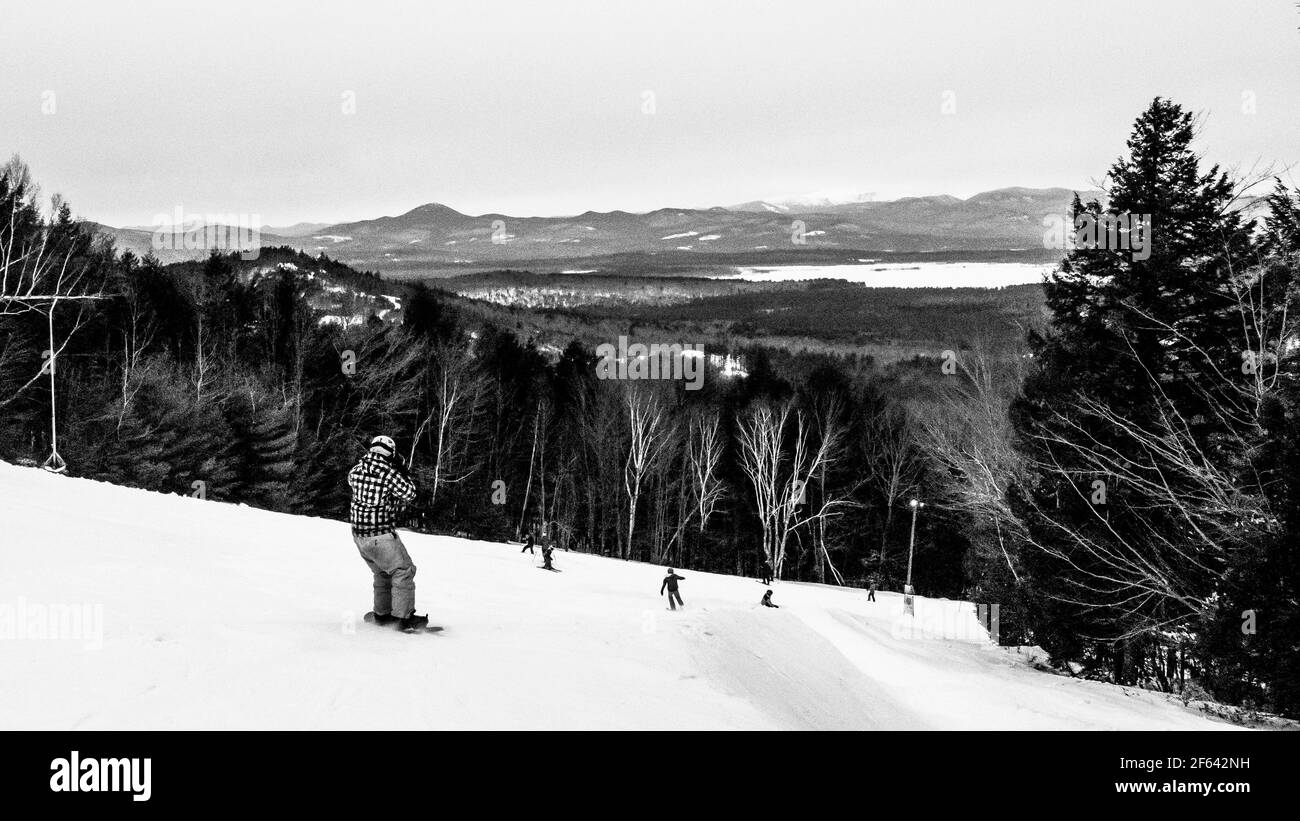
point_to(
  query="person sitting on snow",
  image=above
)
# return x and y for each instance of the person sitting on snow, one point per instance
(380, 488)
(767, 600)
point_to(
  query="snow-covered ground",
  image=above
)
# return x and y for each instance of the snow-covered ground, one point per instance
(121, 609)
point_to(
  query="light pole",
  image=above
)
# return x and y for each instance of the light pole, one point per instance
(908, 607)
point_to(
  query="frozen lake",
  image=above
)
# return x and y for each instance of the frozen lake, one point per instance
(906, 274)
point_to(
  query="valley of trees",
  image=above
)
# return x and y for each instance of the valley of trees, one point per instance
(1124, 481)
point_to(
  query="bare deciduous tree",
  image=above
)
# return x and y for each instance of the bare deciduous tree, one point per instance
(458, 394)
(38, 271)
(968, 432)
(891, 466)
(780, 477)
(703, 453)
(646, 422)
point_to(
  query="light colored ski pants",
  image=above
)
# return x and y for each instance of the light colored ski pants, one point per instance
(394, 573)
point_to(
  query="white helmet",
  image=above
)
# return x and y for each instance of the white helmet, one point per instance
(383, 445)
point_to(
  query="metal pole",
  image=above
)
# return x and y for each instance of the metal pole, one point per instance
(54, 427)
(55, 462)
(911, 545)
(909, 603)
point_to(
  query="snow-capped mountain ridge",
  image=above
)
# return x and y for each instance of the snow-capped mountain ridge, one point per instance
(437, 234)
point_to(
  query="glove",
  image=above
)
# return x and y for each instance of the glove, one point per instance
(400, 465)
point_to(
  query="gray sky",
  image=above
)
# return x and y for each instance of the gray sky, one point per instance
(540, 108)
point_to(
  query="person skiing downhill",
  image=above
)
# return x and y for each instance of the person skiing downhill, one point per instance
(528, 544)
(547, 550)
(670, 583)
(767, 600)
(765, 571)
(871, 591)
(380, 488)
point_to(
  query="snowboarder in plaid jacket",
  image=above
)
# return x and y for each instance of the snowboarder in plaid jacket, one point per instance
(380, 489)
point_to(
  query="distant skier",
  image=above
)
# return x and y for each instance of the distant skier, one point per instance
(871, 590)
(670, 584)
(766, 572)
(380, 488)
(528, 544)
(767, 600)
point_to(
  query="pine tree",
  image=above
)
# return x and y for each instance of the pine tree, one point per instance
(1134, 337)
(1251, 638)
(427, 316)
(262, 446)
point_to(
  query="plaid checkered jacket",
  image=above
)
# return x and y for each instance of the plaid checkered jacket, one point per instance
(379, 490)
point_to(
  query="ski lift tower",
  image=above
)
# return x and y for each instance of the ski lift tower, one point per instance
(54, 463)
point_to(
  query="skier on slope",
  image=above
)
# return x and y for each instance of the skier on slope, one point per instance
(766, 571)
(547, 550)
(670, 583)
(767, 600)
(528, 544)
(871, 591)
(380, 488)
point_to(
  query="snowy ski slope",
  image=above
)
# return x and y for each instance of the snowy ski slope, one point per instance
(123, 609)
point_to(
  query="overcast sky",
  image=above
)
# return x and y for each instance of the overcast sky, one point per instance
(131, 109)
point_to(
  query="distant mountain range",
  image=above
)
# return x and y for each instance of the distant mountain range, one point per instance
(442, 238)
(807, 202)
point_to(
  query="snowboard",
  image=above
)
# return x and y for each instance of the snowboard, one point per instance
(369, 618)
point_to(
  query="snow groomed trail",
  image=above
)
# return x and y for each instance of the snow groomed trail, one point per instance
(124, 609)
